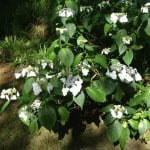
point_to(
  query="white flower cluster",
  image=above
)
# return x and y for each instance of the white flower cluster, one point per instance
(66, 12)
(124, 73)
(145, 8)
(36, 88)
(103, 4)
(105, 51)
(9, 94)
(86, 8)
(85, 67)
(118, 111)
(121, 17)
(127, 39)
(36, 105)
(27, 72)
(71, 84)
(45, 63)
(61, 30)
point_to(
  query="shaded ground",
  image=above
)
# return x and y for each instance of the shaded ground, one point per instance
(14, 135)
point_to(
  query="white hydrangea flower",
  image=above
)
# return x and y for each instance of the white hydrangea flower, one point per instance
(118, 111)
(114, 18)
(126, 40)
(105, 51)
(49, 76)
(138, 77)
(27, 72)
(18, 75)
(65, 90)
(123, 19)
(9, 94)
(125, 77)
(61, 30)
(43, 64)
(144, 9)
(49, 88)
(66, 12)
(111, 74)
(85, 68)
(36, 105)
(36, 88)
(72, 84)
(124, 73)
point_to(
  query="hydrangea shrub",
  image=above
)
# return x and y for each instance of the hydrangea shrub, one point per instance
(90, 71)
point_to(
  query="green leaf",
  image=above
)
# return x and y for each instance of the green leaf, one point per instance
(24, 115)
(71, 29)
(33, 126)
(5, 105)
(108, 86)
(77, 59)
(81, 41)
(64, 113)
(107, 28)
(147, 28)
(66, 56)
(122, 48)
(114, 131)
(79, 100)
(47, 116)
(128, 57)
(27, 88)
(133, 123)
(143, 126)
(107, 108)
(72, 4)
(109, 119)
(125, 134)
(96, 94)
(121, 33)
(118, 94)
(101, 59)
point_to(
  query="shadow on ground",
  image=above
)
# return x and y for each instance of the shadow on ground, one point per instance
(14, 135)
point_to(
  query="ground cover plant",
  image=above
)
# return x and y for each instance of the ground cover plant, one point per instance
(93, 71)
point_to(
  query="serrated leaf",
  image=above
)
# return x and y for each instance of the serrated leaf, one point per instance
(101, 59)
(47, 116)
(114, 131)
(64, 113)
(27, 88)
(128, 57)
(125, 134)
(79, 100)
(96, 94)
(66, 56)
